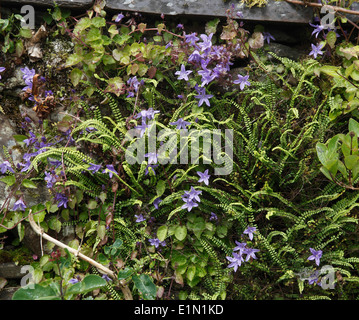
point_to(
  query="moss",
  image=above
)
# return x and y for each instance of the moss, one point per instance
(20, 255)
(251, 3)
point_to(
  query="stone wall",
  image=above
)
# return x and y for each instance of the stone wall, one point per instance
(291, 41)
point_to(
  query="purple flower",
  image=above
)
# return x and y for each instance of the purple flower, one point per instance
(156, 242)
(133, 83)
(5, 166)
(206, 42)
(146, 114)
(152, 157)
(207, 76)
(28, 75)
(25, 166)
(140, 218)
(106, 277)
(61, 199)
(180, 123)
(110, 170)
(73, 281)
(151, 113)
(250, 231)
(142, 128)
(119, 17)
(236, 261)
(19, 205)
(192, 195)
(183, 74)
(251, 253)
(268, 37)
(316, 255)
(239, 14)
(313, 278)
(189, 205)
(94, 167)
(316, 50)
(242, 81)
(152, 166)
(195, 57)
(213, 217)
(240, 246)
(180, 26)
(50, 179)
(1, 70)
(55, 163)
(317, 29)
(191, 38)
(156, 202)
(203, 97)
(204, 177)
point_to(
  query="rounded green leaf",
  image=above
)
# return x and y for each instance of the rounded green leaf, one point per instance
(35, 292)
(162, 232)
(125, 273)
(89, 283)
(145, 285)
(75, 76)
(181, 233)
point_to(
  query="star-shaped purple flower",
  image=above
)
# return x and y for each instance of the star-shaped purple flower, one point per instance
(191, 38)
(62, 200)
(251, 253)
(19, 205)
(240, 246)
(119, 17)
(268, 37)
(236, 261)
(180, 123)
(183, 74)
(316, 50)
(250, 231)
(94, 167)
(203, 97)
(110, 170)
(317, 29)
(189, 205)
(156, 242)
(204, 177)
(192, 195)
(140, 218)
(316, 255)
(242, 81)
(156, 202)
(5, 166)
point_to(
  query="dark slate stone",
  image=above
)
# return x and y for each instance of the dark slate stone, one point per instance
(76, 4)
(353, 17)
(274, 11)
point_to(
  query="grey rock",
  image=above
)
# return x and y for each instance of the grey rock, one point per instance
(282, 50)
(82, 4)
(10, 270)
(57, 52)
(7, 131)
(353, 17)
(273, 11)
(285, 36)
(16, 80)
(7, 293)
